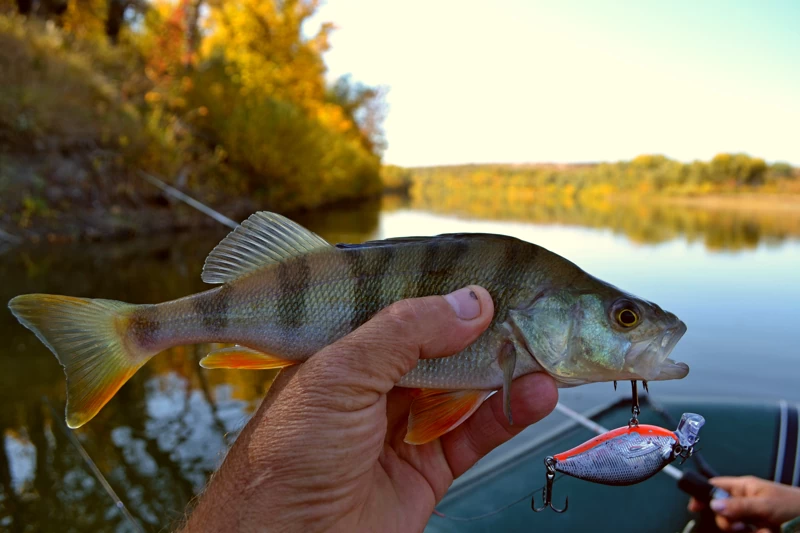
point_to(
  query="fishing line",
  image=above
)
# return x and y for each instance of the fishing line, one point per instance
(496, 511)
(118, 503)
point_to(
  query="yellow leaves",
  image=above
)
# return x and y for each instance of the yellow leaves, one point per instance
(85, 18)
(186, 84)
(263, 45)
(332, 116)
(151, 97)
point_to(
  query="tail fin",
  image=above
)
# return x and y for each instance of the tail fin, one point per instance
(87, 338)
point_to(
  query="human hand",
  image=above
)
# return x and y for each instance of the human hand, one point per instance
(325, 450)
(753, 500)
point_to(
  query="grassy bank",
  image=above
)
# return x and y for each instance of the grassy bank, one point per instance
(237, 113)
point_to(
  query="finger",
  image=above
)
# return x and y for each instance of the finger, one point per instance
(735, 485)
(696, 506)
(727, 525)
(370, 360)
(735, 509)
(278, 384)
(533, 397)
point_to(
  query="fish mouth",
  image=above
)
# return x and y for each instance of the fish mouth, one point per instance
(650, 360)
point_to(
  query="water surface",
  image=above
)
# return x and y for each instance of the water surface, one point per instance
(736, 284)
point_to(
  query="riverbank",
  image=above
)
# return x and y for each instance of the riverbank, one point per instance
(57, 200)
(747, 201)
(236, 121)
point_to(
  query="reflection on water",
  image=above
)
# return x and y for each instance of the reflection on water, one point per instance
(165, 431)
(720, 224)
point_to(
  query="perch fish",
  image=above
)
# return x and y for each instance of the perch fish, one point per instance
(284, 293)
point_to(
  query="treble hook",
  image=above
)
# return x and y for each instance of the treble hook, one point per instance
(547, 491)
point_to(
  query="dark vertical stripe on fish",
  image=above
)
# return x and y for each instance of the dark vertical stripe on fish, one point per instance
(393, 280)
(366, 268)
(356, 263)
(213, 309)
(503, 277)
(456, 250)
(144, 326)
(428, 282)
(442, 260)
(293, 277)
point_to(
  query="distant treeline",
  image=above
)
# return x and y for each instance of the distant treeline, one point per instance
(733, 201)
(227, 99)
(643, 175)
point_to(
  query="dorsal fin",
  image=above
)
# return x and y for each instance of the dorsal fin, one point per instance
(445, 237)
(263, 239)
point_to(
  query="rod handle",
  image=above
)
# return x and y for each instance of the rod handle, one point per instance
(698, 486)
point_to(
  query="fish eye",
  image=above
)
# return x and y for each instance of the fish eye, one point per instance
(626, 314)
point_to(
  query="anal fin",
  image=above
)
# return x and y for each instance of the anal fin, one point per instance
(434, 412)
(243, 358)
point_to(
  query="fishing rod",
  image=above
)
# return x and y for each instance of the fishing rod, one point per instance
(203, 208)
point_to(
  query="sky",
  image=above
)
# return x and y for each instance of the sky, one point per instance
(568, 81)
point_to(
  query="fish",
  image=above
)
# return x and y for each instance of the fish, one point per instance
(285, 293)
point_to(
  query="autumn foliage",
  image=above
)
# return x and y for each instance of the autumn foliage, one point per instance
(225, 98)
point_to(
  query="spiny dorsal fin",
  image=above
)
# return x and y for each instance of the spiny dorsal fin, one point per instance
(263, 239)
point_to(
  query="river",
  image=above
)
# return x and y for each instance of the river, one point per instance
(733, 278)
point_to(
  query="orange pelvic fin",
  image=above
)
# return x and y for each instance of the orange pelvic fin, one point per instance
(434, 412)
(243, 359)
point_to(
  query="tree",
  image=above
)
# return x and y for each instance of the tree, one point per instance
(115, 18)
(365, 107)
(24, 6)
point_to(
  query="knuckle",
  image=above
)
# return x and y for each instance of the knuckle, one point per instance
(751, 481)
(357, 345)
(403, 312)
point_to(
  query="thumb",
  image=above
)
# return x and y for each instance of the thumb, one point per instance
(368, 362)
(742, 508)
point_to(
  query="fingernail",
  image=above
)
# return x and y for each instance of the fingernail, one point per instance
(738, 526)
(718, 506)
(465, 303)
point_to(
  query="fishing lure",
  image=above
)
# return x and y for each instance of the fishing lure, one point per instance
(623, 456)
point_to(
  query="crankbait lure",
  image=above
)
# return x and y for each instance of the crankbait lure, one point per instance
(623, 456)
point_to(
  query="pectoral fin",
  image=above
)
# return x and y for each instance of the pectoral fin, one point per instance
(434, 412)
(243, 359)
(507, 360)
